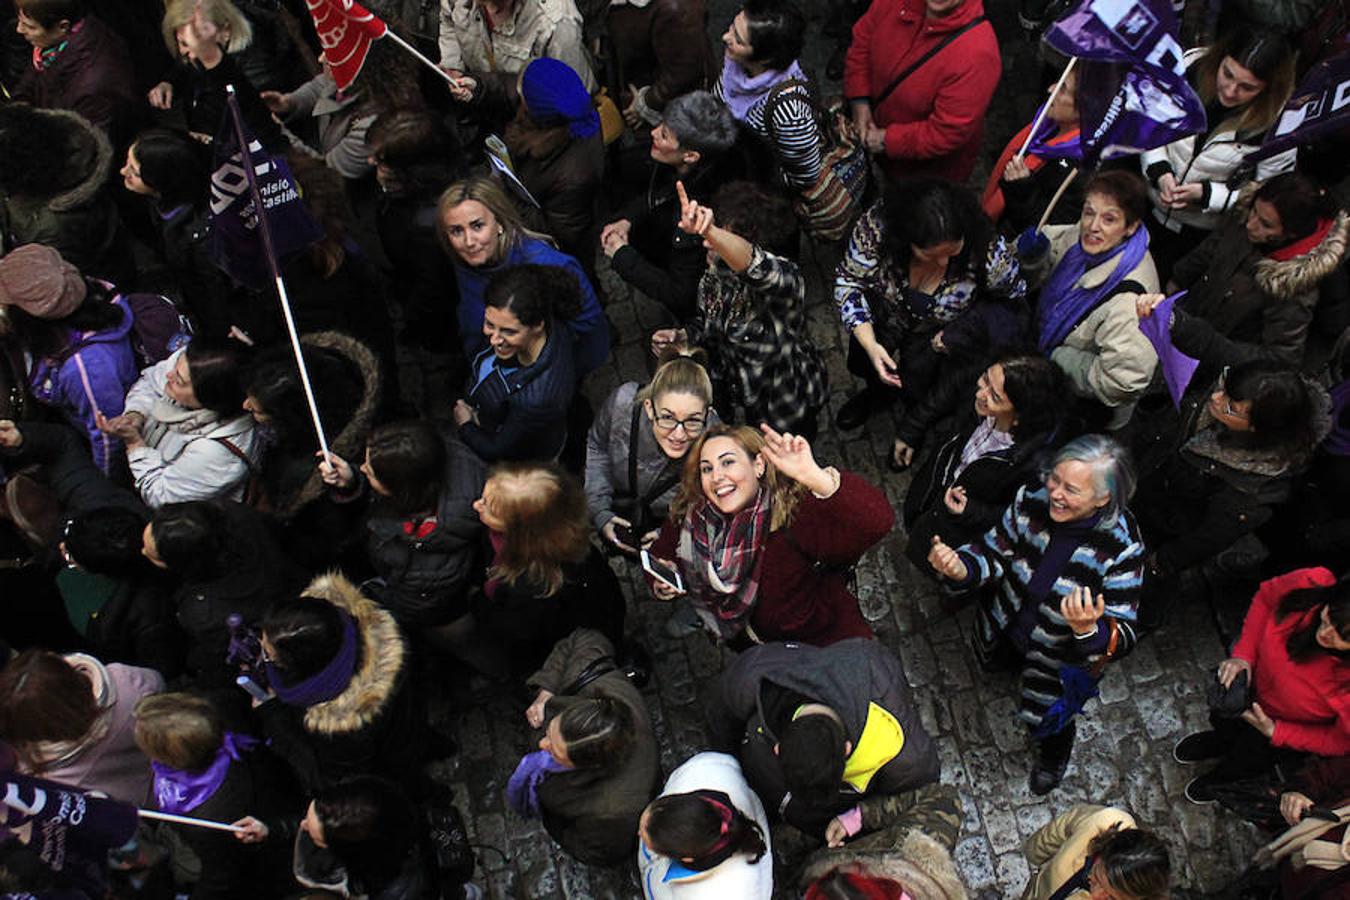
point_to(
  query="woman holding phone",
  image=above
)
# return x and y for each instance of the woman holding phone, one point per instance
(763, 538)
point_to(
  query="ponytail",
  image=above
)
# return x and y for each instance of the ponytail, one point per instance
(703, 828)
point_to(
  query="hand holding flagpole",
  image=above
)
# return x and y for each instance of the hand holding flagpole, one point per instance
(1045, 108)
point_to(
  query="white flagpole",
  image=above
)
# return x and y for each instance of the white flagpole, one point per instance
(1040, 116)
(417, 53)
(246, 157)
(188, 820)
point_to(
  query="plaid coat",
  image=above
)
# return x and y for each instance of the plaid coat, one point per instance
(753, 326)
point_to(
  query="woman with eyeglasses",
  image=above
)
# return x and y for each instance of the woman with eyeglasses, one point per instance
(764, 539)
(636, 448)
(1234, 458)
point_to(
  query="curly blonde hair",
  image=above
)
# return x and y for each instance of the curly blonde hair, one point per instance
(783, 492)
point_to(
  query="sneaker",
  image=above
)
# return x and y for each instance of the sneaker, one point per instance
(1200, 791)
(1198, 747)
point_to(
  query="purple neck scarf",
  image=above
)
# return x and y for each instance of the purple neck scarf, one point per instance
(325, 684)
(740, 90)
(1064, 304)
(522, 791)
(1070, 148)
(181, 792)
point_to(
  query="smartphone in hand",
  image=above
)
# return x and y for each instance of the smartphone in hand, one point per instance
(626, 535)
(667, 575)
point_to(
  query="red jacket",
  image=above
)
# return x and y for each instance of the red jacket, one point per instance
(796, 602)
(935, 117)
(1309, 700)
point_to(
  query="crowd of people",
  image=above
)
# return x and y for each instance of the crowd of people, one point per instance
(246, 567)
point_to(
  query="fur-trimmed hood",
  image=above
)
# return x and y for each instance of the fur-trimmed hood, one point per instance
(921, 865)
(1291, 277)
(350, 442)
(380, 672)
(56, 157)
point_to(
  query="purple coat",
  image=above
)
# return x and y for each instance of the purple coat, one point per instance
(94, 377)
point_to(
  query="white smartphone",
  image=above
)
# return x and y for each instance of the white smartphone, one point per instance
(667, 575)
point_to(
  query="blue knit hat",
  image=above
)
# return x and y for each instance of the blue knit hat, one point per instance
(554, 94)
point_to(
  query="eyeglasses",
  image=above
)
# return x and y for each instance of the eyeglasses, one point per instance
(1228, 408)
(693, 426)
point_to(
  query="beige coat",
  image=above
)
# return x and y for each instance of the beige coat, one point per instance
(1056, 852)
(536, 28)
(1106, 357)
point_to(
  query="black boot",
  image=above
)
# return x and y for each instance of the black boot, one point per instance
(858, 409)
(1052, 759)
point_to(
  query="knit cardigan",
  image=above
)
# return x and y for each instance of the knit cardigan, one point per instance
(1109, 562)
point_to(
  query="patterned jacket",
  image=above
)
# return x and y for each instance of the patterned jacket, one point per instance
(1109, 562)
(869, 288)
(753, 326)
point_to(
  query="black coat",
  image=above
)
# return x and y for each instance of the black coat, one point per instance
(426, 579)
(254, 786)
(373, 727)
(991, 483)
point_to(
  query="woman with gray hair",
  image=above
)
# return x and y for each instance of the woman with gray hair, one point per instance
(692, 144)
(1067, 563)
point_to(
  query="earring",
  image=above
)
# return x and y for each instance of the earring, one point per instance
(501, 230)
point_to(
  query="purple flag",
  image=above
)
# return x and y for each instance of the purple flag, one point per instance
(1132, 89)
(1178, 368)
(1320, 106)
(235, 243)
(70, 831)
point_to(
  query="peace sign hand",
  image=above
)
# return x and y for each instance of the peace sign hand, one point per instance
(694, 219)
(1080, 612)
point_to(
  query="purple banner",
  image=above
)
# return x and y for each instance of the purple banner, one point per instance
(1132, 89)
(1178, 368)
(1320, 106)
(70, 831)
(235, 243)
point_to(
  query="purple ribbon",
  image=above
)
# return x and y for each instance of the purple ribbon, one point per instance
(180, 792)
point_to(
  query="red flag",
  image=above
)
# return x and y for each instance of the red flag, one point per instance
(345, 30)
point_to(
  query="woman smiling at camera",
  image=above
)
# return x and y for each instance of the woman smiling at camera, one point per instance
(764, 537)
(1066, 562)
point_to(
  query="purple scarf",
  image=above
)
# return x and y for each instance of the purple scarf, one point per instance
(1066, 149)
(740, 90)
(180, 792)
(522, 790)
(325, 684)
(1064, 304)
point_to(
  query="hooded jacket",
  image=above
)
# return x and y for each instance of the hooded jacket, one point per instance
(594, 814)
(371, 728)
(58, 164)
(91, 376)
(864, 683)
(664, 878)
(933, 120)
(1242, 304)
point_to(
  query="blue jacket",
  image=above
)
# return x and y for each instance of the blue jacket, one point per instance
(522, 412)
(94, 374)
(590, 330)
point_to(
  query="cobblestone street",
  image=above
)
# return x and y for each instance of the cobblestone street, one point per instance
(1123, 755)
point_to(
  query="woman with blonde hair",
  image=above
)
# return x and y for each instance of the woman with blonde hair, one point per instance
(1244, 79)
(206, 38)
(764, 538)
(636, 448)
(484, 234)
(545, 578)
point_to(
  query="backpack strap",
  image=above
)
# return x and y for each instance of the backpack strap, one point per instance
(234, 448)
(917, 64)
